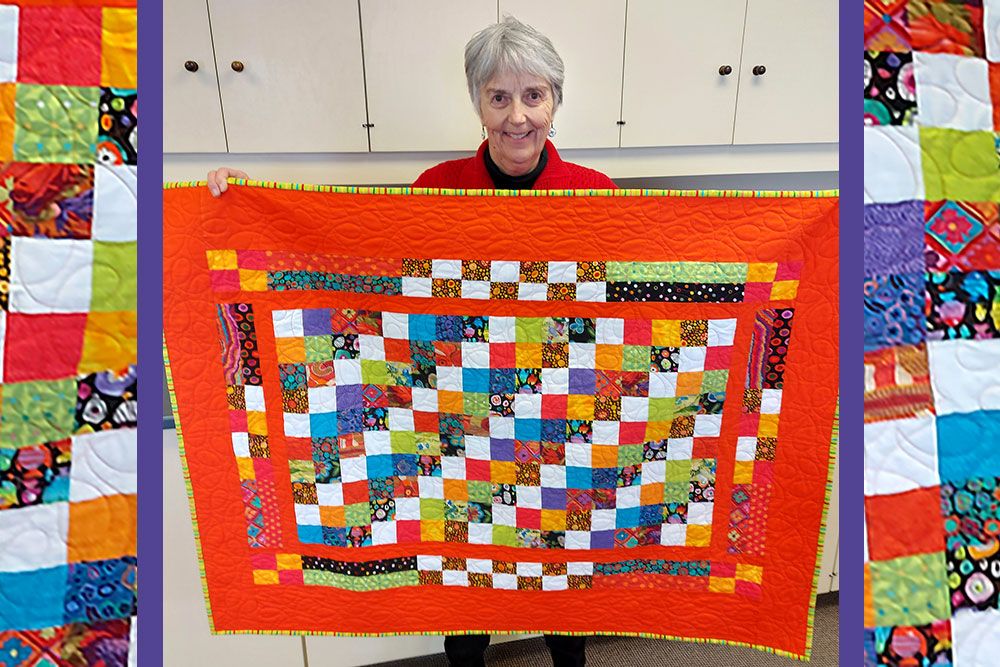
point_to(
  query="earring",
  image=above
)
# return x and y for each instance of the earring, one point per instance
(552, 131)
(484, 131)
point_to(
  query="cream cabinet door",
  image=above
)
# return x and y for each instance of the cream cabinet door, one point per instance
(589, 36)
(415, 70)
(291, 75)
(674, 93)
(192, 111)
(795, 100)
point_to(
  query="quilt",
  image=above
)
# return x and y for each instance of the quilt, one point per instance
(932, 332)
(430, 411)
(67, 333)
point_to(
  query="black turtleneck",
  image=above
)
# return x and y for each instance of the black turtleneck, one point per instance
(502, 181)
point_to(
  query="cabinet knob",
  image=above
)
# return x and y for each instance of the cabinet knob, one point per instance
(725, 70)
(758, 70)
(237, 66)
(191, 66)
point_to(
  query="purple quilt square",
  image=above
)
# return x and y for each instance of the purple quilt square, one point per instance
(582, 381)
(316, 321)
(501, 449)
(602, 539)
(553, 499)
(894, 310)
(894, 238)
(349, 397)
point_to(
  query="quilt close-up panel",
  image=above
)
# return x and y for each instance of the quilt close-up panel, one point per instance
(453, 412)
(67, 333)
(932, 332)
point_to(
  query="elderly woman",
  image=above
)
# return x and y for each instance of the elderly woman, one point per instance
(515, 80)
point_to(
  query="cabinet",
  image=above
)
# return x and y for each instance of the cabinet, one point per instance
(674, 94)
(591, 46)
(192, 113)
(415, 69)
(300, 87)
(796, 99)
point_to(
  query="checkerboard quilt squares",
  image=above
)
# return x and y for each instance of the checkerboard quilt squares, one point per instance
(417, 427)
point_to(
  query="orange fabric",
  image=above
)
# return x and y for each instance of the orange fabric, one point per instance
(525, 228)
(890, 536)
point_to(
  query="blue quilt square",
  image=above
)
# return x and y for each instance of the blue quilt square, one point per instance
(324, 424)
(894, 238)
(379, 465)
(334, 536)
(527, 429)
(578, 478)
(602, 539)
(553, 430)
(100, 590)
(627, 517)
(476, 380)
(894, 312)
(501, 380)
(651, 515)
(404, 465)
(422, 327)
(311, 534)
(348, 421)
(449, 328)
(604, 478)
(32, 600)
(349, 397)
(968, 445)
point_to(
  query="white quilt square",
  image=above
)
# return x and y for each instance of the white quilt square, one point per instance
(691, 360)
(449, 378)
(592, 292)
(104, 464)
(396, 325)
(417, 287)
(296, 425)
(721, 332)
(407, 509)
(241, 444)
(254, 397)
(673, 534)
(528, 406)
(33, 537)
(8, 43)
(475, 289)
(287, 323)
(975, 636)
(952, 91)
(115, 188)
(502, 329)
(446, 268)
(964, 375)
(900, 455)
(383, 532)
(609, 331)
(893, 171)
(505, 272)
(532, 291)
(321, 399)
(606, 432)
(50, 275)
(332, 495)
(662, 385)
(429, 563)
(562, 272)
(476, 355)
(307, 515)
(529, 497)
(425, 400)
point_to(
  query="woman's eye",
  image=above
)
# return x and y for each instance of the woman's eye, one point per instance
(498, 98)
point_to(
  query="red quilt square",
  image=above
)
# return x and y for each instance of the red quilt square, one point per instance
(905, 524)
(425, 422)
(529, 518)
(763, 472)
(60, 46)
(718, 358)
(477, 470)
(43, 347)
(638, 332)
(299, 449)
(397, 349)
(502, 355)
(407, 531)
(554, 406)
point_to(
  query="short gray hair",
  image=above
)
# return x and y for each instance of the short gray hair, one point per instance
(512, 46)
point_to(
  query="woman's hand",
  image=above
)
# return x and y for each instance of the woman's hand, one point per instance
(217, 179)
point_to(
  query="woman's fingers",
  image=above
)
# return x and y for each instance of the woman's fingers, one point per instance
(217, 179)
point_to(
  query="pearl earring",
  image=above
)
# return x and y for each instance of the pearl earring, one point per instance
(552, 131)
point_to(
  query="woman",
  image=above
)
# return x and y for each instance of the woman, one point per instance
(515, 80)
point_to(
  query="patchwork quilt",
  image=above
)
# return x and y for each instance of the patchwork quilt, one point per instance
(445, 412)
(932, 332)
(67, 333)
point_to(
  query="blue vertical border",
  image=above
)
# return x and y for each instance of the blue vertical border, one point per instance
(851, 561)
(150, 328)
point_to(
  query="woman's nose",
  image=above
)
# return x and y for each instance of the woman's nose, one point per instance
(516, 114)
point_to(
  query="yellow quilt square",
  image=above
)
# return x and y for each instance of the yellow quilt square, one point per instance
(252, 280)
(698, 536)
(289, 562)
(784, 289)
(604, 456)
(290, 350)
(503, 472)
(332, 516)
(658, 430)
(244, 465)
(102, 528)
(265, 577)
(753, 573)
(761, 272)
(553, 519)
(767, 426)
(109, 342)
(651, 494)
(528, 355)
(743, 473)
(221, 260)
(432, 531)
(580, 406)
(721, 585)
(667, 333)
(118, 47)
(257, 423)
(689, 384)
(456, 489)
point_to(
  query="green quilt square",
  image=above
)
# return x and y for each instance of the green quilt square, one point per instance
(505, 536)
(635, 358)
(480, 492)
(357, 514)
(959, 165)
(456, 510)
(678, 471)
(403, 442)
(629, 455)
(676, 492)
(56, 123)
(114, 277)
(714, 381)
(476, 404)
(302, 471)
(34, 412)
(428, 443)
(912, 590)
(374, 371)
(318, 348)
(529, 330)
(432, 509)
(661, 409)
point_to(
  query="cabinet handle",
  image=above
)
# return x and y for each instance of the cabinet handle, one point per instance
(191, 66)
(237, 66)
(758, 70)
(725, 70)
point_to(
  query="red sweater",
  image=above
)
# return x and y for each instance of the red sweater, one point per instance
(470, 173)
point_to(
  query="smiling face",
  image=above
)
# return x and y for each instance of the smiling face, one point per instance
(517, 111)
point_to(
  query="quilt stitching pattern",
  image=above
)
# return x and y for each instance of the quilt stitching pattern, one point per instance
(932, 310)
(68, 384)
